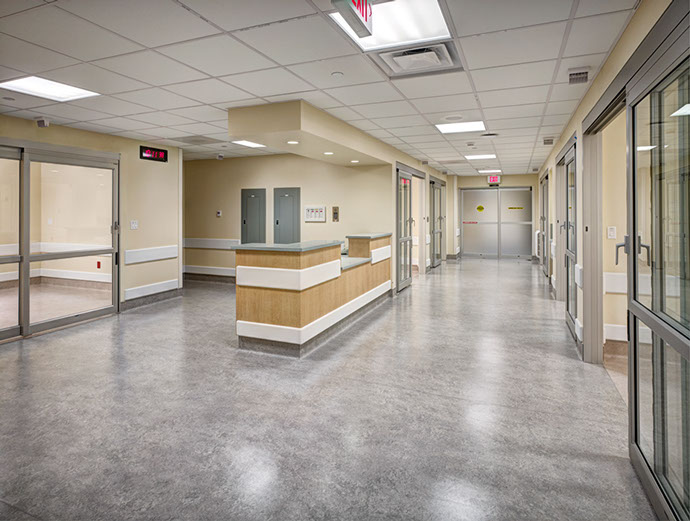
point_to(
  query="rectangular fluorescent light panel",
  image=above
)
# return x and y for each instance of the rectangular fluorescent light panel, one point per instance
(489, 171)
(35, 86)
(683, 111)
(481, 156)
(646, 148)
(249, 144)
(403, 22)
(466, 126)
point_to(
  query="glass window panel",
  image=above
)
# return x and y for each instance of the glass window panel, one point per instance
(67, 287)
(9, 295)
(71, 208)
(676, 413)
(9, 207)
(516, 206)
(571, 286)
(645, 392)
(480, 205)
(480, 239)
(570, 176)
(516, 239)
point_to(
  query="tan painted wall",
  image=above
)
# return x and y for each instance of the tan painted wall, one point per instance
(149, 193)
(363, 195)
(531, 180)
(614, 212)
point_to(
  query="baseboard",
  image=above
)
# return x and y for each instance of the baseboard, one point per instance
(151, 299)
(150, 289)
(452, 257)
(200, 277)
(211, 270)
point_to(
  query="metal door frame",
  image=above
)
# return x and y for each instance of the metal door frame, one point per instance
(672, 35)
(276, 223)
(433, 181)
(43, 153)
(544, 224)
(570, 250)
(403, 242)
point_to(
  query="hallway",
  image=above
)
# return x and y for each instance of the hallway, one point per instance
(467, 402)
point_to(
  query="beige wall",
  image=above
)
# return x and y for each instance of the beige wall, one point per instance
(149, 193)
(362, 194)
(614, 212)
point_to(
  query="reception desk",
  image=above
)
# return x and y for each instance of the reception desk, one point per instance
(293, 297)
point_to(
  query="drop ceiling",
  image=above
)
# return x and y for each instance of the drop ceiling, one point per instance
(169, 69)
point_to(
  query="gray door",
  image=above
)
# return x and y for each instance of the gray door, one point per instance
(254, 215)
(286, 215)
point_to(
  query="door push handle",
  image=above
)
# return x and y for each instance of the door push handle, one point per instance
(623, 245)
(647, 247)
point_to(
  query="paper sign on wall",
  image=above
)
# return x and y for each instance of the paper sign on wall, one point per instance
(314, 214)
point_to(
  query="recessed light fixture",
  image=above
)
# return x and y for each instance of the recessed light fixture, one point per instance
(355, 161)
(480, 156)
(646, 148)
(293, 142)
(489, 171)
(328, 153)
(403, 22)
(683, 111)
(35, 86)
(249, 144)
(466, 126)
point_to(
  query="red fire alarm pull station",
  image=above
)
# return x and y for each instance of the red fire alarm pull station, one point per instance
(98, 265)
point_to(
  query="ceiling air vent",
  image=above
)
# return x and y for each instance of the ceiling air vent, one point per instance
(198, 140)
(548, 141)
(438, 57)
(578, 75)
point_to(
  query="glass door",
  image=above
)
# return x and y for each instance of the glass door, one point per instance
(659, 291)
(570, 239)
(544, 239)
(10, 166)
(436, 223)
(405, 224)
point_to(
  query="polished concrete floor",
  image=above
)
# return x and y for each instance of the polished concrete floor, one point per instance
(461, 399)
(616, 363)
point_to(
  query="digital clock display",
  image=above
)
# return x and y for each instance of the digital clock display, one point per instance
(153, 154)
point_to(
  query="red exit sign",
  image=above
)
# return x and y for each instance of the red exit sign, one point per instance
(358, 14)
(494, 179)
(153, 154)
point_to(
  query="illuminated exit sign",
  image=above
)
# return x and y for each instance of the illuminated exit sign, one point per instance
(357, 14)
(494, 179)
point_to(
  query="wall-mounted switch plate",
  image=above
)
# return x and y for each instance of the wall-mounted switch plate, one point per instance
(134, 225)
(611, 232)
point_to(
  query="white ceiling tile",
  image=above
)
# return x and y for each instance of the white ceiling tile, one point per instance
(150, 67)
(560, 119)
(198, 128)
(344, 113)
(157, 99)
(123, 123)
(8, 74)
(22, 101)
(363, 124)
(110, 105)
(250, 102)
(269, 82)
(592, 7)
(151, 23)
(138, 136)
(355, 70)
(513, 76)
(238, 14)
(541, 42)
(170, 142)
(595, 34)
(38, 26)
(457, 102)
(480, 16)
(68, 111)
(436, 85)
(35, 114)
(593, 61)
(167, 133)
(217, 55)
(498, 141)
(379, 133)
(220, 123)
(6, 108)
(30, 58)
(565, 91)
(208, 91)
(94, 78)
(423, 130)
(8, 7)
(442, 117)
(296, 41)
(520, 96)
(522, 133)
(162, 119)
(93, 127)
(400, 121)
(501, 124)
(561, 107)
(369, 93)
(315, 97)
(384, 110)
(551, 130)
(515, 111)
(438, 138)
(202, 113)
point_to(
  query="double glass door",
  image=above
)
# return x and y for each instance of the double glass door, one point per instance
(570, 229)
(437, 222)
(405, 226)
(58, 240)
(659, 290)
